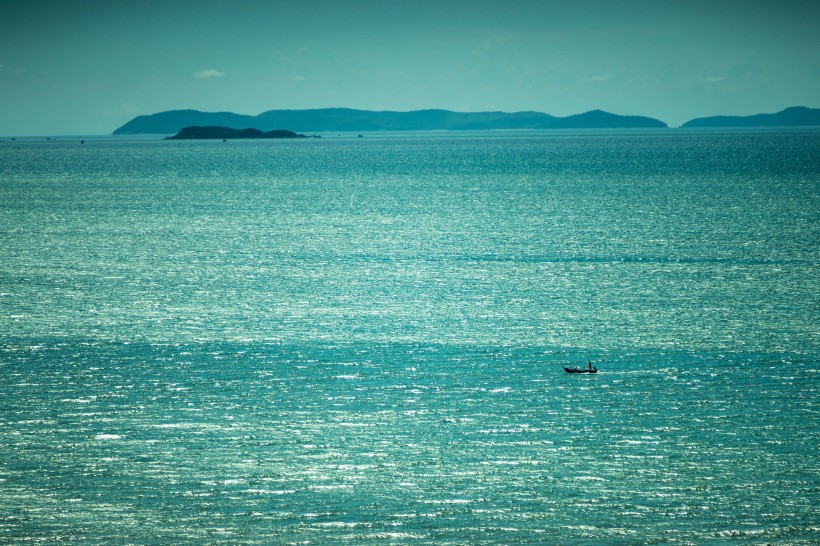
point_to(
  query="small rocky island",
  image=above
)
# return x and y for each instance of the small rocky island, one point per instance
(216, 132)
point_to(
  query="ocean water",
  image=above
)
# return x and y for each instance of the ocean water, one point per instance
(360, 340)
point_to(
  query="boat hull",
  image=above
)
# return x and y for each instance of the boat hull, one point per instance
(579, 370)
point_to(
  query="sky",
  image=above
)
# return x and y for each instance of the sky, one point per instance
(86, 67)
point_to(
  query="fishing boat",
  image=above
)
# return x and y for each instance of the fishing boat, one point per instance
(576, 369)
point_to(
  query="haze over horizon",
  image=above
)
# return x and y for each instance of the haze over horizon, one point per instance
(87, 68)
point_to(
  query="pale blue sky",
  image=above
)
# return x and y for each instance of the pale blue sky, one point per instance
(86, 67)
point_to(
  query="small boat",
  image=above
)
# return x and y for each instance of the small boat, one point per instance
(580, 370)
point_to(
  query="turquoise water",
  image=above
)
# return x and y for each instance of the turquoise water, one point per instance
(346, 340)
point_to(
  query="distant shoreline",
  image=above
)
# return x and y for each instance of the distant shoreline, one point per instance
(88, 138)
(345, 119)
(795, 116)
(350, 120)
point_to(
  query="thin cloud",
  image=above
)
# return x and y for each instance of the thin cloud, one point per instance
(297, 66)
(495, 59)
(11, 71)
(209, 73)
(596, 78)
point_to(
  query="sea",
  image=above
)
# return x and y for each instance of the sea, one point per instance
(362, 340)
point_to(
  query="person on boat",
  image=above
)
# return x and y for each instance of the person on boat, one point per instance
(589, 365)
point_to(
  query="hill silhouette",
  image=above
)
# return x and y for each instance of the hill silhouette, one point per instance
(347, 119)
(796, 116)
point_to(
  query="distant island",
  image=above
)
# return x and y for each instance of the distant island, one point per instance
(346, 119)
(796, 116)
(217, 132)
